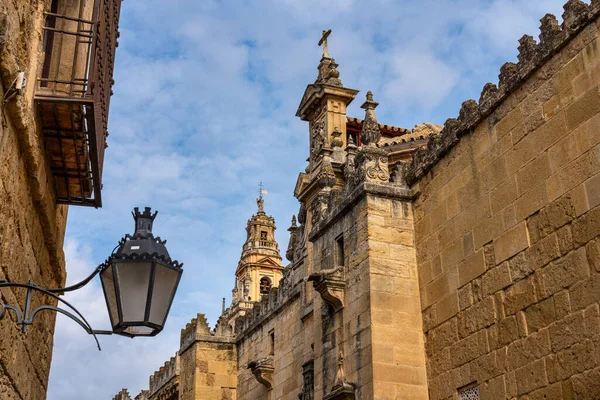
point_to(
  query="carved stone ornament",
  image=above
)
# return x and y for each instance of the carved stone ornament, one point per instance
(337, 140)
(350, 166)
(319, 206)
(263, 371)
(372, 165)
(342, 389)
(317, 137)
(398, 177)
(300, 244)
(326, 175)
(330, 284)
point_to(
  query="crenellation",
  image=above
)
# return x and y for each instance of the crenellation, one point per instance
(469, 114)
(531, 57)
(488, 98)
(509, 77)
(166, 378)
(528, 51)
(575, 15)
(550, 33)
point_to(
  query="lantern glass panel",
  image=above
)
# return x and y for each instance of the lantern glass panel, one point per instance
(165, 284)
(133, 279)
(139, 330)
(108, 283)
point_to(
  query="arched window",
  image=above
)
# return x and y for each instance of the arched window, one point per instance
(265, 285)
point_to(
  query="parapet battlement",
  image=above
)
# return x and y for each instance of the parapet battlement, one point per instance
(532, 56)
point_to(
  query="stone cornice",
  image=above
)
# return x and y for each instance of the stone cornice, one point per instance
(577, 17)
(315, 92)
(361, 190)
(208, 339)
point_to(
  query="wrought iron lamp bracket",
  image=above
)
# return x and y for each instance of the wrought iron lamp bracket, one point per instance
(25, 318)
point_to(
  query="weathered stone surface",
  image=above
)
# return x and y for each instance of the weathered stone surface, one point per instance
(511, 242)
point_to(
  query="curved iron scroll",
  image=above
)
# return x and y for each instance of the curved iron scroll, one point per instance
(26, 318)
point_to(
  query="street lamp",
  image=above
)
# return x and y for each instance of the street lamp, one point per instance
(139, 280)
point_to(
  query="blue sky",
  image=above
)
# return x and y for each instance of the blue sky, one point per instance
(205, 97)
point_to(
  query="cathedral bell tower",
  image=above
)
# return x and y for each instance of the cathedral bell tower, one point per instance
(260, 267)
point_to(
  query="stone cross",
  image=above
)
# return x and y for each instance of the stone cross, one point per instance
(323, 42)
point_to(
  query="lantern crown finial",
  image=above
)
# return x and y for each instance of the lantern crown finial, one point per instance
(143, 221)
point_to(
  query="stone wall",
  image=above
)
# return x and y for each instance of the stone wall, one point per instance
(507, 227)
(208, 363)
(32, 226)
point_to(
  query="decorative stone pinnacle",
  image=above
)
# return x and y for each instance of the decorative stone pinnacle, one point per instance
(293, 222)
(369, 104)
(370, 134)
(337, 140)
(351, 143)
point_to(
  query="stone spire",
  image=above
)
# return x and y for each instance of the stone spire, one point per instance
(370, 132)
(260, 262)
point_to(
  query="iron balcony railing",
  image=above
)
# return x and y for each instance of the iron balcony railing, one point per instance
(73, 94)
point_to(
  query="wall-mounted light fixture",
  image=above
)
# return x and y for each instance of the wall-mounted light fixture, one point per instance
(139, 280)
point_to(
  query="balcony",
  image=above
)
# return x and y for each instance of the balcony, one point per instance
(73, 92)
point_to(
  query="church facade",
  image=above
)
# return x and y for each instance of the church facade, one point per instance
(454, 262)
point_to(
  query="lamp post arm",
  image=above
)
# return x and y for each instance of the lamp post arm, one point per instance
(78, 285)
(27, 318)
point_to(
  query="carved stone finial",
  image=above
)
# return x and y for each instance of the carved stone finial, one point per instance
(337, 141)
(549, 32)
(289, 254)
(575, 14)
(370, 134)
(342, 389)
(527, 50)
(340, 377)
(509, 75)
(350, 144)
(328, 73)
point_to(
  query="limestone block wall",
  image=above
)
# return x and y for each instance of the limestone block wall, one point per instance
(398, 353)
(348, 330)
(507, 227)
(287, 349)
(208, 363)
(32, 226)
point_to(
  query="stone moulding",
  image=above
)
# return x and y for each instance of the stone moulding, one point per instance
(532, 56)
(376, 189)
(341, 392)
(256, 318)
(262, 370)
(330, 284)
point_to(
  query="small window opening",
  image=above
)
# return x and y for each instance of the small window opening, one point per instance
(263, 235)
(265, 285)
(339, 252)
(272, 336)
